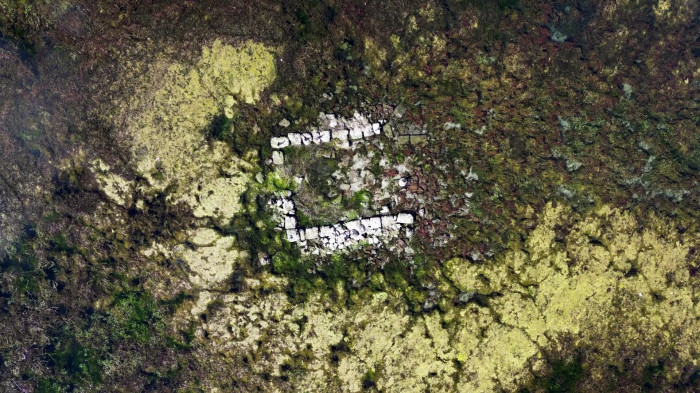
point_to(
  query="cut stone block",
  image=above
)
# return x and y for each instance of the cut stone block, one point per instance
(290, 222)
(404, 218)
(375, 222)
(292, 235)
(311, 233)
(277, 157)
(279, 142)
(356, 133)
(388, 221)
(306, 139)
(340, 135)
(326, 231)
(294, 139)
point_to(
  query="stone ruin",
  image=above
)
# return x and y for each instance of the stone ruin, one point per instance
(324, 240)
(344, 133)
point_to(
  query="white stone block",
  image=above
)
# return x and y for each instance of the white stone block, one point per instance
(332, 122)
(294, 139)
(356, 133)
(325, 136)
(306, 139)
(375, 222)
(376, 129)
(279, 142)
(326, 231)
(277, 157)
(367, 131)
(311, 233)
(353, 225)
(292, 235)
(290, 222)
(404, 218)
(388, 221)
(316, 137)
(288, 206)
(340, 135)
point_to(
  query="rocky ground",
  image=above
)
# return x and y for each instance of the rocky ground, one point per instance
(349, 196)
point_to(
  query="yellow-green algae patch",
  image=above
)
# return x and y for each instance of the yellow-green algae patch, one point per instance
(210, 262)
(115, 188)
(167, 118)
(574, 285)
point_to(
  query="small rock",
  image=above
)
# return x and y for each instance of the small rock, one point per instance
(464, 297)
(284, 123)
(572, 165)
(388, 131)
(277, 157)
(451, 126)
(399, 111)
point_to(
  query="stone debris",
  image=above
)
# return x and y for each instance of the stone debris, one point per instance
(326, 239)
(339, 130)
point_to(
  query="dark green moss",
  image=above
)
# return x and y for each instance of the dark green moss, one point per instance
(73, 361)
(369, 380)
(174, 303)
(134, 315)
(564, 377)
